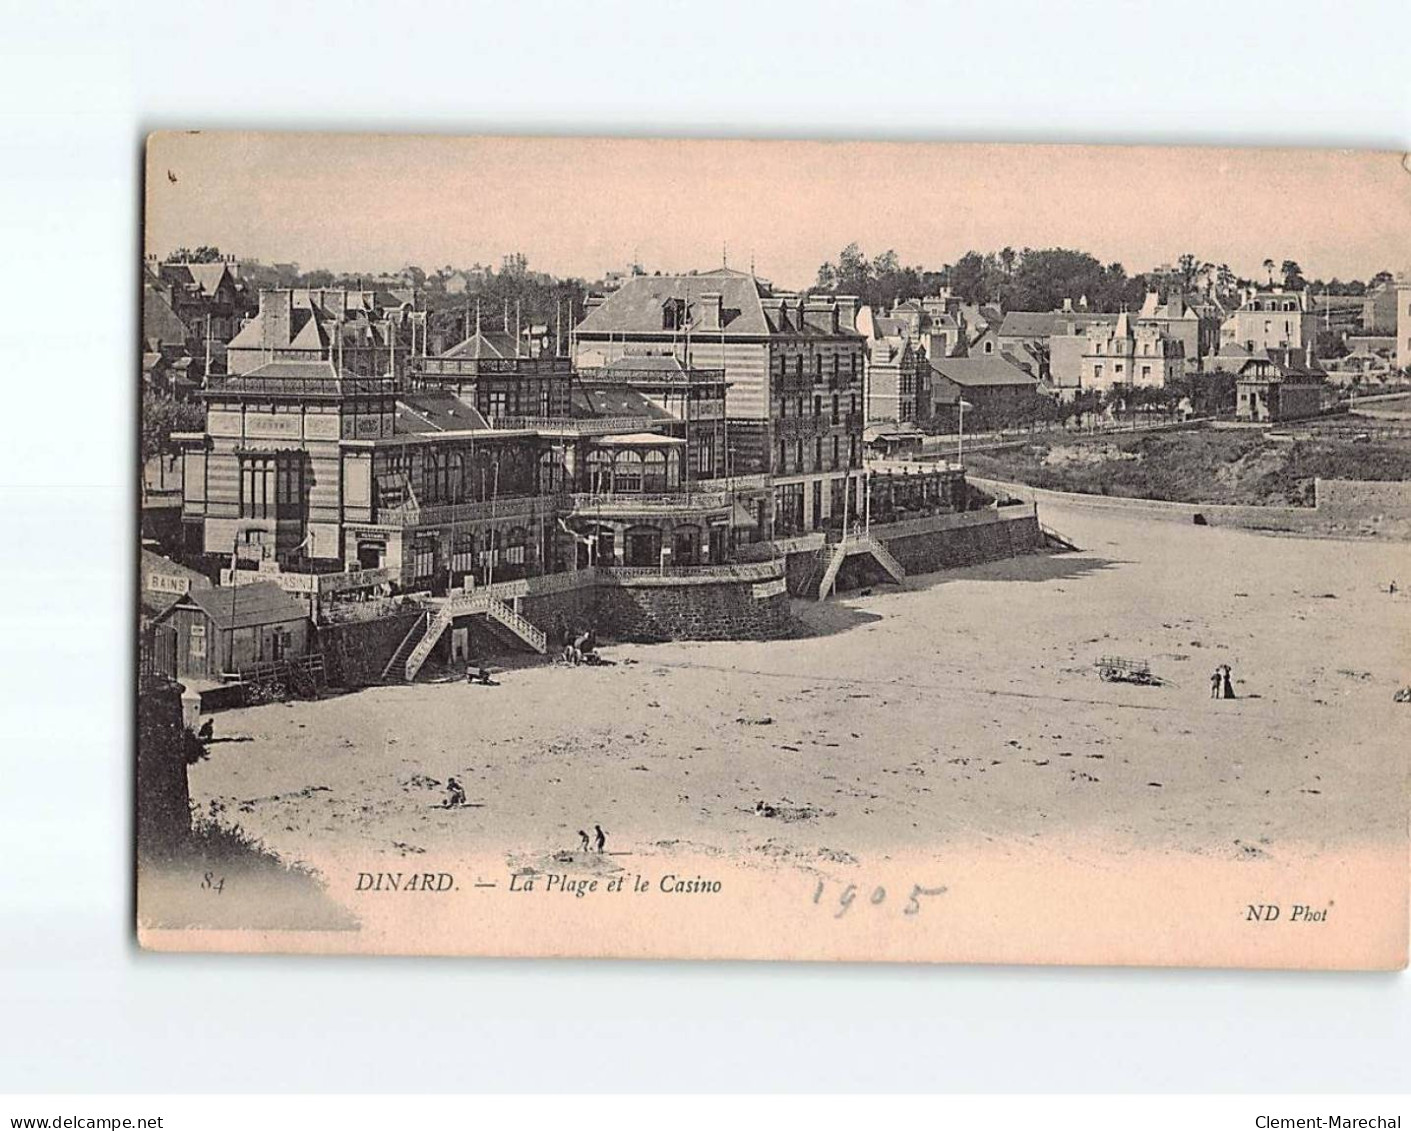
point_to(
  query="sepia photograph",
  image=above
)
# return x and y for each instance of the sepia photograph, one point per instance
(769, 549)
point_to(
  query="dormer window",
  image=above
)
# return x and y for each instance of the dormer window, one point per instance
(673, 314)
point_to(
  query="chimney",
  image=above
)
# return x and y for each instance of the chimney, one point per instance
(847, 312)
(1067, 306)
(820, 314)
(276, 316)
(709, 310)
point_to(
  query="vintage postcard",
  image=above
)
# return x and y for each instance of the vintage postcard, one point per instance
(774, 550)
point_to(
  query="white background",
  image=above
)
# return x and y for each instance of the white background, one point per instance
(81, 1009)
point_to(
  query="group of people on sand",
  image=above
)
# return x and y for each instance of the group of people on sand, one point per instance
(1220, 685)
(597, 843)
(582, 647)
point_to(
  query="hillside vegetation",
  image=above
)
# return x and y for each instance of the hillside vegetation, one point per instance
(1205, 466)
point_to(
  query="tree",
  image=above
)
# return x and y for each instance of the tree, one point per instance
(161, 416)
(1269, 270)
(967, 278)
(203, 254)
(1293, 275)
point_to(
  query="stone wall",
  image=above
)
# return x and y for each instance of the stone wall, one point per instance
(1337, 514)
(715, 610)
(950, 547)
(355, 653)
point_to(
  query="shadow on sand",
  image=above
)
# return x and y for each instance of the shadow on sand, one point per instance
(1029, 567)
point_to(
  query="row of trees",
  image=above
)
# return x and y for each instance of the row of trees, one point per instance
(1041, 278)
(1206, 394)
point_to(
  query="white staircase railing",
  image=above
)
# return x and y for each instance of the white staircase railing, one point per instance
(830, 575)
(499, 611)
(436, 625)
(885, 559)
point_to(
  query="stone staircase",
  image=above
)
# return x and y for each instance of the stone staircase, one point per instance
(412, 653)
(859, 544)
(395, 670)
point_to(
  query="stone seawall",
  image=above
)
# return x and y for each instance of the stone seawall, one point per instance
(725, 610)
(355, 653)
(1333, 517)
(922, 551)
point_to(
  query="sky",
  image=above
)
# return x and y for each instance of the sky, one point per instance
(584, 206)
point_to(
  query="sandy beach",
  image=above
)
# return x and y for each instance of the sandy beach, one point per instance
(962, 711)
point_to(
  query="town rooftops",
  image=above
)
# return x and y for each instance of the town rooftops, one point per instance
(1027, 324)
(718, 303)
(985, 370)
(205, 277)
(257, 604)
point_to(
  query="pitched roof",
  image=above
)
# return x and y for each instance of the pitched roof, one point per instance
(616, 401)
(981, 370)
(160, 323)
(206, 276)
(429, 412)
(484, 343)
(636, 306)
(1027, 324)
(259, 603)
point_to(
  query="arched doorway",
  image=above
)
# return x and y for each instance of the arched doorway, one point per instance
(686, 545)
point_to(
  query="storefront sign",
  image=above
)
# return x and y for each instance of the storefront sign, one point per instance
(284, 426)
(168, 583)
(763, 590)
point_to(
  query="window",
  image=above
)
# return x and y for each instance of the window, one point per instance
(818, 368)
(423, 557)
(1097, 371)
(853, 403)
(198, 640)
(818, 453)
(854, 365)
(270, 486)
(817, 407)
(798, 408)
(498, 403)
(516, 546)
(654, 472)
(798, 455)
(627, 472)
(835, 452)
(798, 366)
(837, 362)
(835, 408)
(1146, 371)
(463, 552)
(704, 451)
(783, 464)
(600, 472)
(990, 347)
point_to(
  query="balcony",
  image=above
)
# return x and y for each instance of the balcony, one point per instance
(445, 514)
(626, 504)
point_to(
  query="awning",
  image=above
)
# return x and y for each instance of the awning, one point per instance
(743, 516)
(636, 440)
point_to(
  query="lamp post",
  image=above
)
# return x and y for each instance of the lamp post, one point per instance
(963, 404)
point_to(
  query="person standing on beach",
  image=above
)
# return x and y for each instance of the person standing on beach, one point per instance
(602, 837)
(1215, 678)
(1229, 690)
(582, 841)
